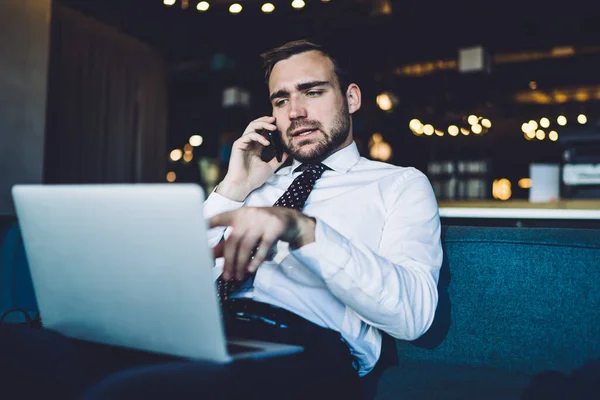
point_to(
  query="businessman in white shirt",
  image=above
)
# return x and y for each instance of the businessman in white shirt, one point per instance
(328, 253)
(363, 255)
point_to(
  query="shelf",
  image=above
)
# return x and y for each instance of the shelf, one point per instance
(521, 209)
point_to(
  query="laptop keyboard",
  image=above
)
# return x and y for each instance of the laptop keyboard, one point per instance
(233, 349)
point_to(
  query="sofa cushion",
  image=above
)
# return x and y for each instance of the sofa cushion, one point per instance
(16, 288)
(428, 381)
(521, 299)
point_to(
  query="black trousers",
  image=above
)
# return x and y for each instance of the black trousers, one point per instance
(40, 362)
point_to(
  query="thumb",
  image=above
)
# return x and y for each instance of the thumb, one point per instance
(223, 219)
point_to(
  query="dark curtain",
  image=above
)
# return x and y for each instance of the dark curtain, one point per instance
(107, 105)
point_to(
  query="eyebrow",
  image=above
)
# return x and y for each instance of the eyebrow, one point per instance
(300, 87)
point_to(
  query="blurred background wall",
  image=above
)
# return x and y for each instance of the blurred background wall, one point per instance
(24, 48)
(107, 108)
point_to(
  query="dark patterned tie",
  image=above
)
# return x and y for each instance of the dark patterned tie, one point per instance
(294, 197)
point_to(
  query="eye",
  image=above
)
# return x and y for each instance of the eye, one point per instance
(280, 102)
(313, 93)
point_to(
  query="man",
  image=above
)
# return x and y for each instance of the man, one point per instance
(326, 253)
(363, 254)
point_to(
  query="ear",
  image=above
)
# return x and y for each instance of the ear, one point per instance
(354, 97)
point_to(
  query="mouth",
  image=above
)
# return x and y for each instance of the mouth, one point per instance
(301, 133)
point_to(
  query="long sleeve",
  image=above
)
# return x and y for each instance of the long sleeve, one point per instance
(393, 288)
(216, 204)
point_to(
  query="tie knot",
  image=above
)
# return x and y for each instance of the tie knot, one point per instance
(317, 169)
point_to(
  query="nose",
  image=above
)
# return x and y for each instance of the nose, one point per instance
(297, 109)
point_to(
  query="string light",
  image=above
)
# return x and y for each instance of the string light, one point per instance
(376, 138)
(501, 189)
(379, 149)
(267, 8)
(533, 125)
(386, 101)
(416, 126)
(176, 155)
(540, 134)
(298, 4)
(196, 140)
(529, 135)
(525, 183)
(236, 8)
(203, 6)
(414, 123)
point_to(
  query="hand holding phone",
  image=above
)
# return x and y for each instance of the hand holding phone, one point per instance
(250, 167)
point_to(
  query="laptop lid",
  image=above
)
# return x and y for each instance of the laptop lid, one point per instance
(124, 264)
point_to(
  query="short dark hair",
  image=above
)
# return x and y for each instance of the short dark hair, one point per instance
(287, 50)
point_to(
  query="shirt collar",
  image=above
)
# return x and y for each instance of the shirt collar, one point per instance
(341, 161)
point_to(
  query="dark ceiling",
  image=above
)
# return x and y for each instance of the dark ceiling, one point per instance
(416, 30)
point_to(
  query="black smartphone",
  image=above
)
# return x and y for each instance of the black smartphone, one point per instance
(276, 143)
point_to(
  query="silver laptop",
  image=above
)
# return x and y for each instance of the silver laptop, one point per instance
(128, 265)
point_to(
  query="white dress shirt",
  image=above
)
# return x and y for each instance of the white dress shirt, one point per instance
(375, 262)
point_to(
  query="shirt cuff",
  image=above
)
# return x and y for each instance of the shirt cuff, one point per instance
(327, 255)
(216, 204)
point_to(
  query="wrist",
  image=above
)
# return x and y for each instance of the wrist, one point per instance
(307, 226)
(232, 191)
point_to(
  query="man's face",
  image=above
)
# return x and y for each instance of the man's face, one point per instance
(312, 114)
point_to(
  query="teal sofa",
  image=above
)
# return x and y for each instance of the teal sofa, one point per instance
(16, 288)
(518, 317)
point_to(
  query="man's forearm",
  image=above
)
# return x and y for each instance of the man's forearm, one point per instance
(398, 298)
